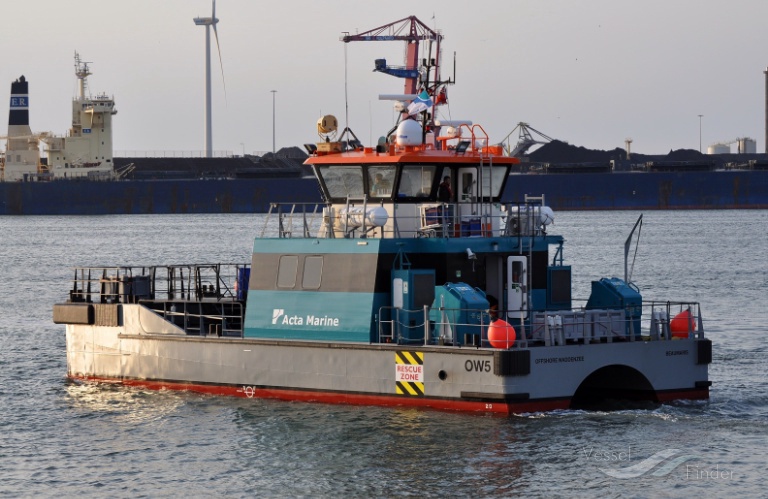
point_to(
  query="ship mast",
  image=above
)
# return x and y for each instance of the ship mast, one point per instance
(411, 31)
(82, 72)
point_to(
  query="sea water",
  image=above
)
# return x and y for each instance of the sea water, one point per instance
(59, 438)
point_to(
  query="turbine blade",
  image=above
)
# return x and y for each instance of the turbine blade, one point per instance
(221, 63)
(213, 11)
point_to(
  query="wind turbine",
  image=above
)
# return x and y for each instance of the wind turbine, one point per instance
(208, 22)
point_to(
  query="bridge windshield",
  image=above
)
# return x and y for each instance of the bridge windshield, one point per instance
(416, 181)
(411, 182)
(343, 181)
(381, 179)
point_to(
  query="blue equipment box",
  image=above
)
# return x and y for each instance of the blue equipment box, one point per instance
(459, 313)
(614, 293)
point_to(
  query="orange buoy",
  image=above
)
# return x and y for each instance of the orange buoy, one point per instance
(501, 334)
(681, 324)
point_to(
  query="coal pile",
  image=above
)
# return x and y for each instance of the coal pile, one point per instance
(558, 152)
(562, 152)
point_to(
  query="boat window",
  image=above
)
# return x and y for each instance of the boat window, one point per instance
(468, 185)
(313, 271)
(381, 179)
(343, 181)
(286, 271)
(493, 178)
(416, 181)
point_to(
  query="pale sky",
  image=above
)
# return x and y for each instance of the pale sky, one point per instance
(591, 73)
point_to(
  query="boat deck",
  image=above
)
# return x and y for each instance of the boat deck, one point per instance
(209, 300)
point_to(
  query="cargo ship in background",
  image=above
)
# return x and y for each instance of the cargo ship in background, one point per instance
(77, 174)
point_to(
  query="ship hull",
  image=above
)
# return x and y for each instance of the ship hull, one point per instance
(564, 192)
(73, 197)
(466, 379)
(736, 189)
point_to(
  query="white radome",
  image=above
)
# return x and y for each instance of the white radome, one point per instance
(409, 133)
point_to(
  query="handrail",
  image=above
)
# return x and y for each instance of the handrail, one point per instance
(429, 219)
(441, 326)
(430, 329)
(126, 284)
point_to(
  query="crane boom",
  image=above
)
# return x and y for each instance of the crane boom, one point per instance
(525, 140)
(410, 30)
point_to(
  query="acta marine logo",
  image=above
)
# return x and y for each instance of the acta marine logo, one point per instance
(276, 313)
(280, 317)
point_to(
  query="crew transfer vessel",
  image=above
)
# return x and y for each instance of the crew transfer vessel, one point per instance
(412, 285)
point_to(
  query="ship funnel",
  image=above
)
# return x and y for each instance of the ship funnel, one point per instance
(19, 109)
(19, 133)
(21, 142)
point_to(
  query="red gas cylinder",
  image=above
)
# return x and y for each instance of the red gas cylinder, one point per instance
(501, 334)
(681, 324)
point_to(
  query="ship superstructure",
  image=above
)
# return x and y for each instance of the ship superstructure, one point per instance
(85, 150)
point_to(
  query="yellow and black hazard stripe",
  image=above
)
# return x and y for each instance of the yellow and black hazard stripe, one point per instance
(413, 388)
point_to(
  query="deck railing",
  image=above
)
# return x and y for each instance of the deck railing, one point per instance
(445, 220)
(194, 282)
(657, 321)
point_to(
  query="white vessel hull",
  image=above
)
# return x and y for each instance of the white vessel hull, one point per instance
(357, 373)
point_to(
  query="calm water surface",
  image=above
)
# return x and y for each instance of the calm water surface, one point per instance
(65, 439)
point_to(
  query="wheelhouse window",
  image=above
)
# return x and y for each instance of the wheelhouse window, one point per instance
(493, 179)
(343, 181)
(381, 179)
(416, 181)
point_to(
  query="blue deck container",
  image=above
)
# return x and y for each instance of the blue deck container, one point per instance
(459, 313)
(614, 293)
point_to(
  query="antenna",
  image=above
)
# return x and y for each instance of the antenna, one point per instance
(628, 273)
(208, 22)
(82, 72)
